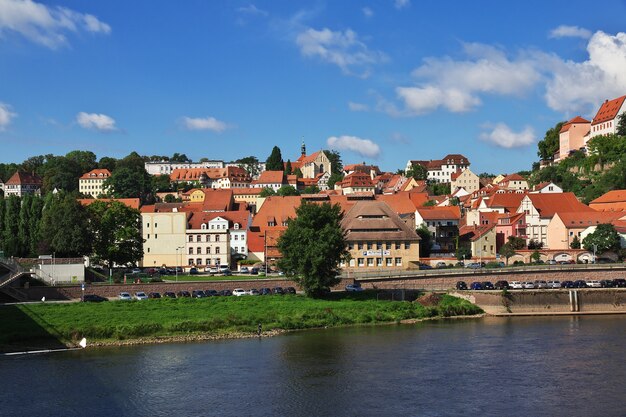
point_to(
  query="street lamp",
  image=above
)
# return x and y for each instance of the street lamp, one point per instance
(595, 247)
(176, 261)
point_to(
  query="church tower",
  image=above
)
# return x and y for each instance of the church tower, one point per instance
(303, 148)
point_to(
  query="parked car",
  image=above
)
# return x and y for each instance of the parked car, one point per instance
(154, 295)
(179, 269)
(193, 271)
(487, 285)
(551, 262)
(619, 282)
(528, 285)
(136, 271)
(461, 285)
(541, 284)
(244, 270)
(225, 270)
(476, 286)
(594, 283)
(93, 298)
(278, 290)
(151, 271)
(607, 283)
(290, 290)
(169, 294)
(183, 294)
(124, 296)
(354, 287)
(554, 284)
(254, 271)
(474, 265)
(254, 291)
(238, 292)
(516, 285)
(567, 284)
(501, 285)
(266, 291)
(580, 283)
(441, 264)
(141, 295)
(211, 270)
(211, 293)
(198, 294)
(425, 266)
(226, 293)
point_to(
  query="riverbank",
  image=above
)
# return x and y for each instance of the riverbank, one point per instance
(37, 326)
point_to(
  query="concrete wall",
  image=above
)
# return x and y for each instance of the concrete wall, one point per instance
(61, 273)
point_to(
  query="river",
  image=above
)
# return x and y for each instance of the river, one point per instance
(523, 366)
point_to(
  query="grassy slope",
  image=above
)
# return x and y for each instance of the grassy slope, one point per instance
(24, 325)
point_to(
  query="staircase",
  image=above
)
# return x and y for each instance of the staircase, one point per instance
(15, 271)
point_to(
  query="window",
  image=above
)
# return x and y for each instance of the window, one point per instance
(360, 245)
(379, 245)
(361, 262)
(208, 261)
(407, 245)
(155, 225)
(149, 236)
(351, 262)
(198, 250)
(190, 238)
(398, 261)
(370, 261)
(379, 262)
(236, 237)
(369, 245)
(198, 261)
(217, 250)
(397, 245)
(191, 251)
(190, 262)
(199, 238)
(389, 262)
(217, 238)
(147, 224)
(155, 235)
(350, 246)
(148, 250)
(208, 250)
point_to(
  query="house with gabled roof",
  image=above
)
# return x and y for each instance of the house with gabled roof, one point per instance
(443, 224)
(92, 182)
(514, 182)
(22, 183)
(572, 137)
(311, 165)
(606, 119)
(480, 239)
(546, 187)
(270, 179)
(357, 182)
(611, 201)
(465, 179)
(441, 170)
(566, 226)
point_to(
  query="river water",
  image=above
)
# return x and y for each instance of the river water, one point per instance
(560, 366)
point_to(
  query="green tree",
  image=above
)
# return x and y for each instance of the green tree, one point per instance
(605, 238)
(288, 168)
(549, 145)
(336, 165)
(251, 165)
(116, 233)
(106, 162)
(621, 125)
(426, 240)
(36, 209)
(507, 250)
(34, 164)
(575, 243)
(535, 256)
(333, 179)
(313, 246)
(10, 242)
(267, 192)
(298, 173)
(130, 179)
(311, 189)
(535, 244)
(429, 203)
(440, 188)
(179, 157)
(170, 198)
(65, 226)
(61, 173)
(464, 253)
(23, 234)
(417, 172)
(517, 243)
(287, 190)
(161, 183)
(274, 162)
(86, 160)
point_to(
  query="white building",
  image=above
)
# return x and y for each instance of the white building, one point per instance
(166, 167)
(606, 120)
(92, 182)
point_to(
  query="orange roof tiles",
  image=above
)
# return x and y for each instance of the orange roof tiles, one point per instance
(440, 213)
(608, 110)
(24, 178)
(400, 202)
(96, 174)
(574, 121)
(271, 177)
(549, 204)
(130, 202)
(357, 179)
(586, 219)
(612, 201)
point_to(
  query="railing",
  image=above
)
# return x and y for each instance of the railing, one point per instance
(15, 271)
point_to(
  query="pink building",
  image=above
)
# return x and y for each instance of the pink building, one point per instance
(572, 136)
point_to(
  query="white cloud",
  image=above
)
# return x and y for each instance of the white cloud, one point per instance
(252, 10)
(401, 4)
(424, 100)
(206, 123)
(580, 87)
(46, 25)
(6, 115)
(94, 121)
(367, 12)
(565, 31)
(357, 106)
(343, 49)
(363, 147)
(501, 135)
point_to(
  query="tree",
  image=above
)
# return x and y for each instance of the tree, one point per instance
(86, 160)
(65, 226)
(288, 168)
(34, 164)
(417, 172)
(287, 190)
(550, 143)
(267, 192)
(10, 242)
(333, 179)
(23, 233)
(313, 246)
(426, 240)
(116, 233)
(170, 198)
(429, 203)
(107, 162)
(535, 256)
(298, 173)
(36, 209)
(507, 250)
(336, 165)
(61, 173)
(161, 183)
(130, 179)
(517, 242)
(621, 125)
(251, 165)
(274, 162)
(604, 239)
(463, 253)
(311, 189)
(179, 157)
(575, 243)
(440, 188)
(535, 244)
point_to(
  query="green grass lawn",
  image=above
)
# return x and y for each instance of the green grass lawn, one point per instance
(29, 324)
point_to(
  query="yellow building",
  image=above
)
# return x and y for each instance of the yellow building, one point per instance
(164, 234)
(92, 182)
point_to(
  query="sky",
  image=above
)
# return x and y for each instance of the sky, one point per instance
(380, 81)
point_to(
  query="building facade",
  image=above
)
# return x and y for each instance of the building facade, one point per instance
(92, 182)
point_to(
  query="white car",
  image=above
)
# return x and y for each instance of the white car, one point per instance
(528, 285)
(554, 284)
(516, 285)
(594, 283)
(541, 284)
(125, 296)
(141, 295)
(211, 270)
(551, 262)
(239, 292)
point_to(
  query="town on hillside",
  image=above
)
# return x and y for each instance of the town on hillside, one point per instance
(432, 213)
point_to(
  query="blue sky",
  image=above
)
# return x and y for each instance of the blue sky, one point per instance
(381, 81)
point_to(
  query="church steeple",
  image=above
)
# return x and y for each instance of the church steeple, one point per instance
(303, 148)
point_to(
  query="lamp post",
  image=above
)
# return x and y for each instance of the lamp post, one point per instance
(179, 248)
(595, 248)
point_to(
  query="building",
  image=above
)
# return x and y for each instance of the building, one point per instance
(510, 225)
(481, 240)
(311, 165)
(167, 167)
(546, 187)
(229, 177)
(465, 179)
(514, 182)
(572, 136)
(443, 224)
(378, 238)
(371, 170)
(270, 179)
(92, 182)
(163, 228)
(565, 226)
(606, 120)
(441, 170)
(357, 182)
(22, 183)
(612, 201)
(249, 196)
(207, 240)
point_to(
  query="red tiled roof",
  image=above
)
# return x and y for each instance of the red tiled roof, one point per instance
(357, 179)
(583, 220)
(507, 201)
(440, 213)
(475, 232)
(574, 121)
(615, 196)
(608, 110)
(400, 202)
(96, 173)
(245, 191)
(196, 219)
(25, 178)
(549, 204)
(513, 177)
(270, 177)
(130, 202)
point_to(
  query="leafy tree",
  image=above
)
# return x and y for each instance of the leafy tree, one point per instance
(287, 190)
(535, 256)
(621, 125)
(575, 243)
(605, 238)
(517, 242)
(6, 170)
(440, 188)
(23, 234)
(274, 162)
(507, 250)
(34, 164)
(170, 198)
(535, 244)
(463, 252)
(116, 233)
(65, 226)
(426, 240)
(298, 173)
(267, 192)
(251, 165)
(107, 162)
(333, 179)
(10, 242)
(311, 189)
(161, 183)
(429, 203)
(2, 211)
(417, 172)
(61, 173)
(86, 160)
(130, 179)
(313, 246)
(179, 157)
(550, 143)
(288, 168)
(35, 215)
(336, 165)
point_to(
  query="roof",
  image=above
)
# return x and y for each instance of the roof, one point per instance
(400, 202)
(507, 201)
(608, 110)
(130, 202)
(96, 173)
(513, 177)
(193, 174)
(24, 178)
(418, 199)
(196, 219)
(476, 232)
(550, 204)
(271, 177)
(362, 168)
(357, 179)
(456, 159)
(574, 121)
(615, 196)
(440, 213)
(583, 220)
(245, 191)
(305, 159)
(374, 220)
(456, 175)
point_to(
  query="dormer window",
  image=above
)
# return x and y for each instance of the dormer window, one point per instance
(203, 226)
(236, 226)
